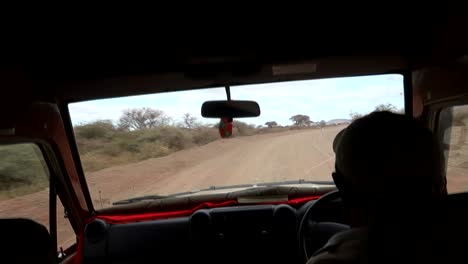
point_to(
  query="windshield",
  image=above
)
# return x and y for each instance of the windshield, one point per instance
(159, 144)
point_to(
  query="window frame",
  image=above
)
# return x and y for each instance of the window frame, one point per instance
(57, 189)
(64, 107)
(432, 114)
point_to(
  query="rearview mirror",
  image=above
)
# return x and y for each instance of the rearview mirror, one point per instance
(231, 108)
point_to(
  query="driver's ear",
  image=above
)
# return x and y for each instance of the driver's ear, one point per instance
(340, 183)
(338, 179)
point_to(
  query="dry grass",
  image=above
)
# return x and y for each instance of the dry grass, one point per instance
(22, 170)
(96, 161)
(113, 147)
(102, 149)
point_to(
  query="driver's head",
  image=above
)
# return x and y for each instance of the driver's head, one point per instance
(383, 158)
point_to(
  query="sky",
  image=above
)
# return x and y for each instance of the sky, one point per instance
(323, 99)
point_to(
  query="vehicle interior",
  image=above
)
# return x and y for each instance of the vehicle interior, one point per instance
(48, 71)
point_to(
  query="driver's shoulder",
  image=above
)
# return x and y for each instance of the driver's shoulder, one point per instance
(344, 247)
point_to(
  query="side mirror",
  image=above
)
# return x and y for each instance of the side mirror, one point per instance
(230, 109)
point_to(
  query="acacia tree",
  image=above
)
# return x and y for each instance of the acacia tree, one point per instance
(386, 107)
(189, 121)
(381, 107)
(142, 118)
(355, 115)
(301, 120)
(271, 124)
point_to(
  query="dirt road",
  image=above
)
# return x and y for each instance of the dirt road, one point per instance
(292, 155)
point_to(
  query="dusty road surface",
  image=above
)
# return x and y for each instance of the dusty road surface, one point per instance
(293, 155)
(301, 154)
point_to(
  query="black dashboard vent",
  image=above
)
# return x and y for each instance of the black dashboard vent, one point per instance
(96, 231)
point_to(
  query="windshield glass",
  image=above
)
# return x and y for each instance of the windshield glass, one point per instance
(159, 144)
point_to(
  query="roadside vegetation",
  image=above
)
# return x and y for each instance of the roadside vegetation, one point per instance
(381, 107)
(145, 133)
(142, 134)
(22, 170)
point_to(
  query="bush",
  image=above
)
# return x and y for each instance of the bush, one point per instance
(205, 135)
(243, 129)
(148, 135)
(153, 150)
(98, 161)
(101, 145)
(127, 141)
(97, 129)
(272, 130)
(175, 138)
(22, 170)
(89, 145)
(113, 150)
(91, 163)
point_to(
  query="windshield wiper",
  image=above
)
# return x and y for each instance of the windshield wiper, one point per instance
(246, 186)
(139, 199)
(300, 181)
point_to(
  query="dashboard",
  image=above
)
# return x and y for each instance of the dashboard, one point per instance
(239, 234)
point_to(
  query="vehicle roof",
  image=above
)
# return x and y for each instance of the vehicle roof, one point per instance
(72, 65)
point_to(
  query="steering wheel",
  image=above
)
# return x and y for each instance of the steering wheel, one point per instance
(313, 234)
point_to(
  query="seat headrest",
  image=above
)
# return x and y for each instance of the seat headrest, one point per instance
(25, 241)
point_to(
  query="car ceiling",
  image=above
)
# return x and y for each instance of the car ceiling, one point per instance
(46, 63)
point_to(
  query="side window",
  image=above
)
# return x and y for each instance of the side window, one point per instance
(453, 127)
(65, 234)
(24, 189)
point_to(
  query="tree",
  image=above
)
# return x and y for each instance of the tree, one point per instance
(142, 118)
(386, 107)
(301, 120)
(189, 121)
(381, 107)
(271, 124)
(355, 115)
